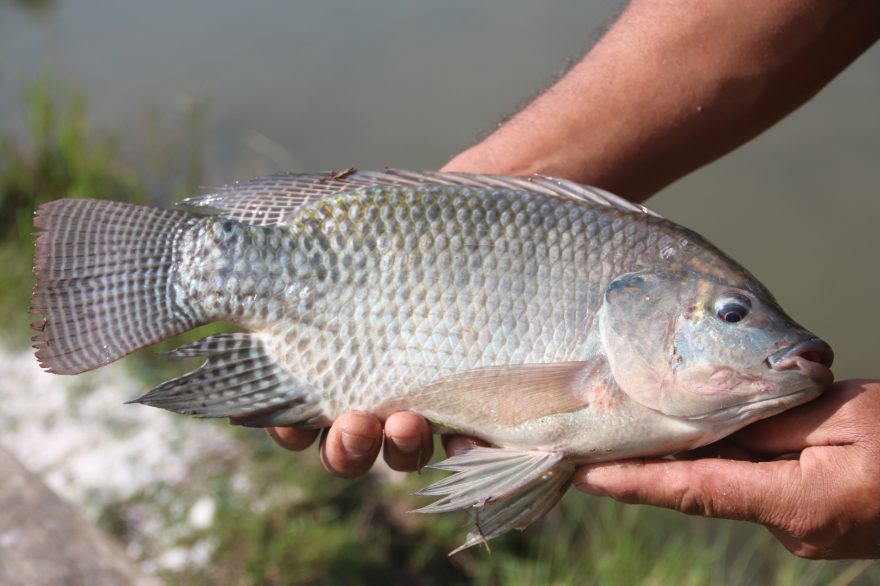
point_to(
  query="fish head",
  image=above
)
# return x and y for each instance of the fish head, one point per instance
(700, 347)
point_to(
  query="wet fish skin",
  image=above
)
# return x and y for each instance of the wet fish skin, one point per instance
(350, 293)
(553, 320)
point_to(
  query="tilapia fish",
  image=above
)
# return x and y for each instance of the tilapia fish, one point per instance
(558, 322)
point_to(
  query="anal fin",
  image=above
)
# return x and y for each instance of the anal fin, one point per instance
(239, 380)
(503, 488)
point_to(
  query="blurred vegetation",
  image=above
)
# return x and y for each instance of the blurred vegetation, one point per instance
(291, 523)
(60, 155)
(34, 6)
(300, 526)
(56, 158)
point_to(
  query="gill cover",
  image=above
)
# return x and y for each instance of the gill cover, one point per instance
(638, 322)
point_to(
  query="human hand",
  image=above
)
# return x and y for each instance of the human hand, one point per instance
(821, 505)
(810, 475)
(349, 448)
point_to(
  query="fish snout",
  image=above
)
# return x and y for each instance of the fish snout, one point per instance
(812, 356)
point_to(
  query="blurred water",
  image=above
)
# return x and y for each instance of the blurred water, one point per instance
(296, 86)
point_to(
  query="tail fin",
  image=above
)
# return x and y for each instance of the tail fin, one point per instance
(104, 286)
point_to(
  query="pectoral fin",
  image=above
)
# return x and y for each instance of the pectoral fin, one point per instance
(504, 489)
(510, 394)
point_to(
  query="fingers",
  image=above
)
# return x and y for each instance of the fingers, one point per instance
(720, 449)
(710, 487)
(821, 505)
(349, 448)
(291, 438)
(838, 417)
(408, 441)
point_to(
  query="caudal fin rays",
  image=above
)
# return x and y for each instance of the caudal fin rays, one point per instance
(104, 282)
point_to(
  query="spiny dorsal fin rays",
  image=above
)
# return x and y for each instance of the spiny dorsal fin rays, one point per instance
(271, 199)
(539, 183)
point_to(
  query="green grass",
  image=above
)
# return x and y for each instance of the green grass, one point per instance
(56, 158)
(297, 525)
(60, 155)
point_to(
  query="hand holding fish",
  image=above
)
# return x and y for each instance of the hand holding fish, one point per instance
(350, 447)
(556, 321)
(810, 475)
(646, 129)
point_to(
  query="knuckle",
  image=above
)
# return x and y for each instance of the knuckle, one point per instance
(857, 407)
(805, 551)
(699, 494)
(823, 525)
(691, 496)
(693, 502)
(809, 527)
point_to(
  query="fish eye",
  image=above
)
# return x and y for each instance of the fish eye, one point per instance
(732, 309)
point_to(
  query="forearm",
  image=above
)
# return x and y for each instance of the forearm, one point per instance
(674, 85)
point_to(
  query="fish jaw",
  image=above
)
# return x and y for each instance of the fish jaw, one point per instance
(737, 416)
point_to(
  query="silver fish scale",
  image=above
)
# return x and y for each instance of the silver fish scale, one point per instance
(372, 294)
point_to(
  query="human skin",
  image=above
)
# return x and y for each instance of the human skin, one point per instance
(810, 475)
(672, 86)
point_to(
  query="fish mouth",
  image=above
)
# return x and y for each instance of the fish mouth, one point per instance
(812, 357)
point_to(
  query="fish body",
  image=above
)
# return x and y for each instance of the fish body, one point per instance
(555, 321)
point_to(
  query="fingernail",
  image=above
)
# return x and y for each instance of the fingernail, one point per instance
(591, 482)
(594, 479)
(357, 445)
(408, 445)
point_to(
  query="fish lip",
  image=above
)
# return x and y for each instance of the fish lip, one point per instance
(794, 357)
(782, 360)
(744, 408)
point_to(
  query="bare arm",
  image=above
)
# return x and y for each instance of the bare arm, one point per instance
(670, 87)
(675, 85)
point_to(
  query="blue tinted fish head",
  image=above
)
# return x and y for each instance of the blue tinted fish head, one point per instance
(697, 347)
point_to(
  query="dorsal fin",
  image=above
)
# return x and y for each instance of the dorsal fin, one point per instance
(270, 200)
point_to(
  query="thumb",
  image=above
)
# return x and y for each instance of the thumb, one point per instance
(754, 491)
